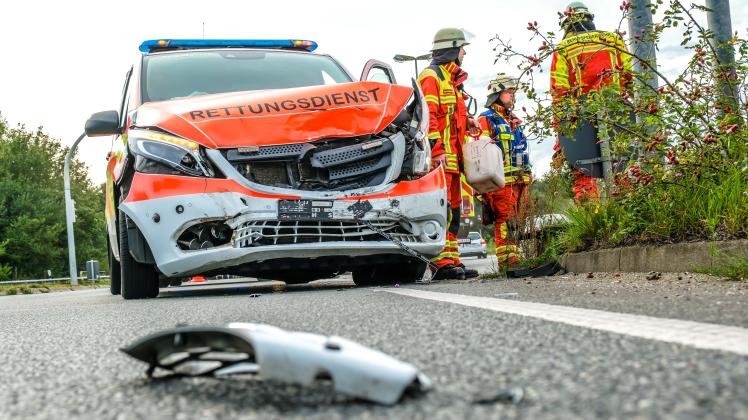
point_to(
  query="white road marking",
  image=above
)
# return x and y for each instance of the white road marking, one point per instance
(695, 334)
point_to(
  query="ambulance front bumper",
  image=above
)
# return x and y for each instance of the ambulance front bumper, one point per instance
(258, 229)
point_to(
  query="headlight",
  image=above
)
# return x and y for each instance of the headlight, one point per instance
(163, 153)
(422, 156)
(418, 161)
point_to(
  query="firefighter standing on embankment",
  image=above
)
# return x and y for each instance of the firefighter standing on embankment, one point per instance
(586, 60)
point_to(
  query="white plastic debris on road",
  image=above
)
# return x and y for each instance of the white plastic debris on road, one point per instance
(272, 353)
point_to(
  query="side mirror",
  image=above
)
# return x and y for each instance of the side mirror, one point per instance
(103, 124)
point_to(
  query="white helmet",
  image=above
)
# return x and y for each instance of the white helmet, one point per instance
(501, 83)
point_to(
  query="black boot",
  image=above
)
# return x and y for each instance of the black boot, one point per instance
(449, 272)
(469, 272)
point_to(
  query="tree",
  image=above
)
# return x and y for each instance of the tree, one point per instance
(32, 212)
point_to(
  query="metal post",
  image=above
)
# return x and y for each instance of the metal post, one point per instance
(640, 24)
(606, 158)
(416, 63)
(643, 47)
(70, 213)
(720, 24)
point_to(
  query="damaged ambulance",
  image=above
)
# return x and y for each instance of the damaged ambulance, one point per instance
(261, 158)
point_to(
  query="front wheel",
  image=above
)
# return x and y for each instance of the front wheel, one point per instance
(115, 277)
(139, 280)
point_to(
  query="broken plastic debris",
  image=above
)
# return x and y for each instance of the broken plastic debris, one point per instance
(654, 275)
(272, 353)
(506, 396)
(255, 295)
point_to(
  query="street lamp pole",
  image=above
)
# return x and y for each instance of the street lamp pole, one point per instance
(401, 58)
(70, 213)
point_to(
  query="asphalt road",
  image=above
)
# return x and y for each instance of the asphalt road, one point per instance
(59, 357)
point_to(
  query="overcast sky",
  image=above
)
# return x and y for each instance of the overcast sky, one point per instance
(64, 60)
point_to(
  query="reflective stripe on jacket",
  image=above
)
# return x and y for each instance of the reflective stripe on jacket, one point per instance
(512, 142)
(447, 111)
(587, 61)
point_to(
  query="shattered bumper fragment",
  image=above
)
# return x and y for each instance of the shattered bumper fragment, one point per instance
(272, 353)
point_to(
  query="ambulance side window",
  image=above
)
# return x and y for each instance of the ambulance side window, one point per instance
(377, 71)
(125, 100)
(378, 75)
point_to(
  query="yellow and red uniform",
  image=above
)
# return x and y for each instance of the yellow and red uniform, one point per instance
(503, 128)
(585, 62)
(441, 86)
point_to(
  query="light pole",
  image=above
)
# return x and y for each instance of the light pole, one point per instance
(401, 58)
(70, 213)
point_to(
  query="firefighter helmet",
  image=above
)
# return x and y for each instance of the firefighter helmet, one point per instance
(501, 83)
(449, 38)
(575, 11)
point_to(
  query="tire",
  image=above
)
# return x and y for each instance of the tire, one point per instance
(382, 275)
(115, 275)
(139, 281)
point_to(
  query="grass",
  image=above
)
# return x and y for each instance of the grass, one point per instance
(729, 266)
(697, 208)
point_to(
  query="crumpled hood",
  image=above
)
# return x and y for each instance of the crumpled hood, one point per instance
(281, 116)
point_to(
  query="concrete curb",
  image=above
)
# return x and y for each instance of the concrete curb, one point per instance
(665, 258)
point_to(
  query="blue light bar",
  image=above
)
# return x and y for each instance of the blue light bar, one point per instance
(164, 44)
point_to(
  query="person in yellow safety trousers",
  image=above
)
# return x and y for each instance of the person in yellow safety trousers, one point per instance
(586, 60)
(501, 125)
(449, 122)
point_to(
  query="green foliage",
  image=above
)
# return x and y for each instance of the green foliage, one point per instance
(552, 193)
(32, 213)
(730, 266)
(690, 179)
(5, 270)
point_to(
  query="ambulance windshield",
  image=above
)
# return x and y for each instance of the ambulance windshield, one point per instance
(182, 74)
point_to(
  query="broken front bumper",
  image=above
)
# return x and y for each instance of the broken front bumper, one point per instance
(166, 208)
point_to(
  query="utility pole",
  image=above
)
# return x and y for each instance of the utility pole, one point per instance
(70, 213)
(720, 24)
(640, 24)
(644, 50)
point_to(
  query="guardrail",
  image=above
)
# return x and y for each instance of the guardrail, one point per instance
(54, 280)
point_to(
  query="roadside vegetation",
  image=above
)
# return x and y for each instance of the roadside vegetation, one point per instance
(684, 175)
(31, 288)
(32, 212)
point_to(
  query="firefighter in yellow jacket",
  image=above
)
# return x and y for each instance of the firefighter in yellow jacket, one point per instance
(442, 86)
(586, 60)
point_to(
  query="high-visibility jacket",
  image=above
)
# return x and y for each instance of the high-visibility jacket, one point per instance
(441, 86)
(510, 139)
(468, 198)
(586, 61)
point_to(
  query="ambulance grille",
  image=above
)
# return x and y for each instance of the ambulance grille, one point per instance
(325, 165)
(275, 232)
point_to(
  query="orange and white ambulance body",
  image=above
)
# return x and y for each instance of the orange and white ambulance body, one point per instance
(260, 158)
